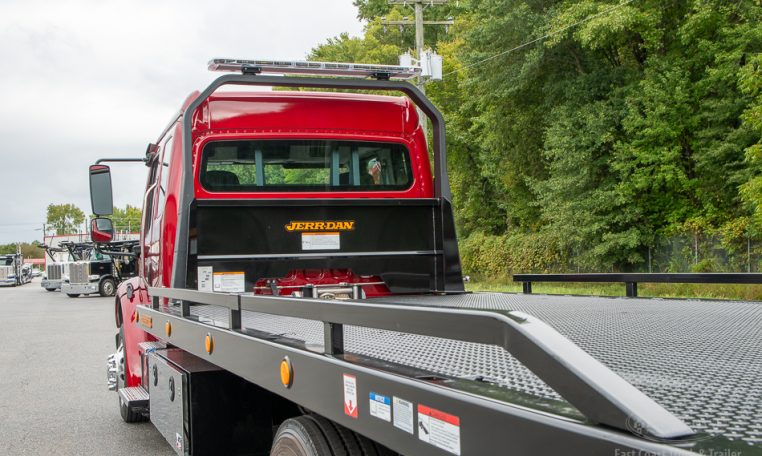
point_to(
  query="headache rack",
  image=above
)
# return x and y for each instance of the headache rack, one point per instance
(616, 414)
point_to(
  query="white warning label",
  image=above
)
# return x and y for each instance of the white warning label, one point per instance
(403, 414)
(205, 278)
(380, 406)
(350, 395)
(439, 429)
(229, 282)
(321, 241)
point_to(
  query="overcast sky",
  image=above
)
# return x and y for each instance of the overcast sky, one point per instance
(91, 79)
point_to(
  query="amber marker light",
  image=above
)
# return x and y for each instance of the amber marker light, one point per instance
(168, 329)
(286, 372)
(209, 343)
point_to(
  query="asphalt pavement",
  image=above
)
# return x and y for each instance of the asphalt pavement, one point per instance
(53, 395)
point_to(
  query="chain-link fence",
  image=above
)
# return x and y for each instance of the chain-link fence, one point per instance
(690, 253)
(704, 253)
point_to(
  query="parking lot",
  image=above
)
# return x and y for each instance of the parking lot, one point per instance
(53, 378)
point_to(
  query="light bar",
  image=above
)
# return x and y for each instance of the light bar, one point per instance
(361, 70)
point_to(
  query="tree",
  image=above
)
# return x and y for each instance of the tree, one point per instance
(29, 250)
(65, 218)
(750, 80)
(32, 250)
(618, 125)
(127, 219)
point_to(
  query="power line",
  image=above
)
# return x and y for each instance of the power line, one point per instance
(529, 43)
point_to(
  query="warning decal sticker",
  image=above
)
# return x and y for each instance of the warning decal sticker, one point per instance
(205, 278)
(350, 395)
(229, 282)
(380, 406)
(321, 241)
(439, 429)
(403, 414)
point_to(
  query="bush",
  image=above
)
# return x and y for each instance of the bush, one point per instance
(491, 257)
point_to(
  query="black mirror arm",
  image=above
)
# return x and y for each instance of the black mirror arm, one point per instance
(120, 160)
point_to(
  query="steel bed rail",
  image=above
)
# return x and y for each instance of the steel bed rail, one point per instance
(631, 280)
(597, 392)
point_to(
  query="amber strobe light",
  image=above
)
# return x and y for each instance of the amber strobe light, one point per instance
(286, 372)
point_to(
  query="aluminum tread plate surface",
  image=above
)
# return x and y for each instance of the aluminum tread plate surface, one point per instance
(134, 393)
(701, 360)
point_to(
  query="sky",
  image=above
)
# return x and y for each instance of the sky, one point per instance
(99, 78)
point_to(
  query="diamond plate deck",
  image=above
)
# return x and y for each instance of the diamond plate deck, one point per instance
(701, 360)
(134, 395)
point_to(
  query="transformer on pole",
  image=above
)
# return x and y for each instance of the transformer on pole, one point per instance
(430, 62)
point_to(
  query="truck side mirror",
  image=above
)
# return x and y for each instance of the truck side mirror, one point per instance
(100, 190)
(101, 230)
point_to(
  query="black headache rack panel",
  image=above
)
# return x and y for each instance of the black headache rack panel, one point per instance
(615, 410)
(447, 264)
(396, 239)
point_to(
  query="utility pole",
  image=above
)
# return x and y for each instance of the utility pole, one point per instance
(419, 23)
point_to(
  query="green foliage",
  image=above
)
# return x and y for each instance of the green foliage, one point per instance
(750, 82)
(65, 218)
(627, 125)
(29, 250)
(496, 257)
(127, 219)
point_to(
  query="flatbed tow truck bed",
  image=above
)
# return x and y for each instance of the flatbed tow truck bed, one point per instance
(431, 374)
(699, 359)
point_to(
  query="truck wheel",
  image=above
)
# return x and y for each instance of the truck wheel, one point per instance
(72, 295)
(129, 416)
(312, 435)
(354, 443)
(300, 436)
(107, 287)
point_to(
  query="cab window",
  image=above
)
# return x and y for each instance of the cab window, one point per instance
(304, 165)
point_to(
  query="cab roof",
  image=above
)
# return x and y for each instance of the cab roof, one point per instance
(312, 111)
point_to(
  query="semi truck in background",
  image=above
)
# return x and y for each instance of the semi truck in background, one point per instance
(53, 276)
(300, 293)
(56, 266)
(13, 271)
(98, 268)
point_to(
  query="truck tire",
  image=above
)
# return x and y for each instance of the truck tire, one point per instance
(72, 295)
(107, 287)
(300, 436)
(50, 289)
(313, 435)
(129, 416)
(354, 443)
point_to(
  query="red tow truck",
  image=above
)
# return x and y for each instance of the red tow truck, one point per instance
(300, 293)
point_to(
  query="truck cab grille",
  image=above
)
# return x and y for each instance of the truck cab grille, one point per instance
(79, 272)
(54, 271)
